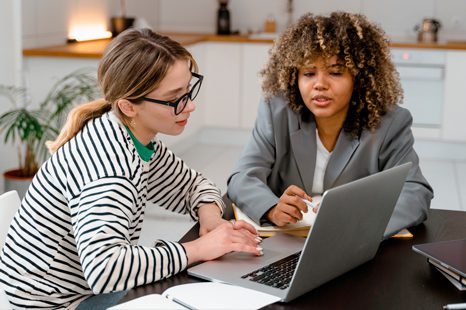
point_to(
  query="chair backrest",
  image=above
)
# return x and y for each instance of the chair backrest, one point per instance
(9, 204)
(4, 303)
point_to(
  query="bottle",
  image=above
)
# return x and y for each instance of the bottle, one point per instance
(223, 18)
(270, 26)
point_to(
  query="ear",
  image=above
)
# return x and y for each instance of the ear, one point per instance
(127, 108)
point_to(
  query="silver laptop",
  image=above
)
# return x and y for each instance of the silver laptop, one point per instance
(347, 232)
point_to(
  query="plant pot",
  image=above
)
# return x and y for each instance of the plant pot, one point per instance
(119, 24)
(14, 181)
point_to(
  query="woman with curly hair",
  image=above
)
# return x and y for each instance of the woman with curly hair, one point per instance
(330, 115)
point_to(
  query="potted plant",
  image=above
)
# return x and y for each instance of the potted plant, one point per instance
(120, 23)
(29, 128)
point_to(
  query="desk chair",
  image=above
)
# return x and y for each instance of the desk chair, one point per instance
(9, 204)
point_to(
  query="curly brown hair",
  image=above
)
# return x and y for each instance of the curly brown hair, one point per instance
(363, 48)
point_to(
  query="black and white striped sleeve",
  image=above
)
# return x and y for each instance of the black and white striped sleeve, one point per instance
(176, 187)
(102, 216)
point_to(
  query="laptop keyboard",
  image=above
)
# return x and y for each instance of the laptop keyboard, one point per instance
(277, 274)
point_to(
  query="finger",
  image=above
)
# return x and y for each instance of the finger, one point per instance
(282, 218)
(240, 247)
(245, 233)
(295, 201)
(294, 190)
(243, 225)
(240, 228)
(244, 240)
(291, 210)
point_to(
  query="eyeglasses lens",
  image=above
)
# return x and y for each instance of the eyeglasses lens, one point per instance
(191, 95)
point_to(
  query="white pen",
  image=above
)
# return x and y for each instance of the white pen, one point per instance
(309, 204)
(179, 302)
(455, 306)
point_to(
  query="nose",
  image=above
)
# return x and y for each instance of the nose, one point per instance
(320, 81)
(190, 106)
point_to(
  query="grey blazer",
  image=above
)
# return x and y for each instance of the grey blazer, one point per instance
(282, 152)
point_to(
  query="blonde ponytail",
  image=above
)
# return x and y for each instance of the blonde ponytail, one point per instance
(76, 120)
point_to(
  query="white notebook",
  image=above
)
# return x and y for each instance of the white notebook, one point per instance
(203, 295)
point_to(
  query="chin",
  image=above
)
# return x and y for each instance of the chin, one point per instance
(174, 132)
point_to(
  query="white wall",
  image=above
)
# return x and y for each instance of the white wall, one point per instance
(47, 22)
(10, 64)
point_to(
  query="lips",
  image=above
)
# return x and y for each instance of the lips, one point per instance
(321, 100)
(183, 122)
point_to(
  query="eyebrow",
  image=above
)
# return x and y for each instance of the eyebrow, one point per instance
(173, 91)
(335, 65)
(340, 65)
(176, 90)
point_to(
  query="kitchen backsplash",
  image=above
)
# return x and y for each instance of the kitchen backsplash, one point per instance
(47, 22)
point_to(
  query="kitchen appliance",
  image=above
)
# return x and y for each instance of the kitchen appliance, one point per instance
(422, 76)
(427, 30)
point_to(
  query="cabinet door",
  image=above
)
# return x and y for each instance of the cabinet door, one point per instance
(254, 58)
(222, 93)
(454, 111)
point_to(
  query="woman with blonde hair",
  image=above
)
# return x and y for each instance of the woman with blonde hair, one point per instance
(330, 116)
(76, 232)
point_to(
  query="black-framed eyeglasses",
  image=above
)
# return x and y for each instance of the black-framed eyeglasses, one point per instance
(180, 104)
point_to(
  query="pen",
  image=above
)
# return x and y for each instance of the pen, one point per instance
(309, 204)
(179, 302)
(455, 306)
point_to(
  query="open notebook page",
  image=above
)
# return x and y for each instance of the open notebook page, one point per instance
(203, 295)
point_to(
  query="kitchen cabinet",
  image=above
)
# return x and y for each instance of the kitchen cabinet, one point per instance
(254, 57)
(454, 110)
(221, 86)
(232, 85)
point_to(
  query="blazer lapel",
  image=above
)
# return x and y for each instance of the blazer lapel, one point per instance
(303, 144)
(344, 149)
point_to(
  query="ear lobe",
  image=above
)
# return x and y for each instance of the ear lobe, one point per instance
(127, 108)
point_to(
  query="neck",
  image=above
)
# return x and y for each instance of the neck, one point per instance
(143, 136)
(328, 133)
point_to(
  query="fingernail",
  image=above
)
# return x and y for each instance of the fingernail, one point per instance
(259, 248)
(261, 253)
(258, 239)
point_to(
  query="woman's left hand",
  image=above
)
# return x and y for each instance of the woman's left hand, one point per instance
(209, 218)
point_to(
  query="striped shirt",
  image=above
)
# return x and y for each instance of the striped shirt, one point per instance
(77, 229)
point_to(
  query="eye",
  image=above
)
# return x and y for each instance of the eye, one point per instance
(309, 74)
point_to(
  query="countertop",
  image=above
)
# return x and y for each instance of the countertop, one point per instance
(95, 48)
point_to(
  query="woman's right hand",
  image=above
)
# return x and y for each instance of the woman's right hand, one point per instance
(233, 236)
(289, 207)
